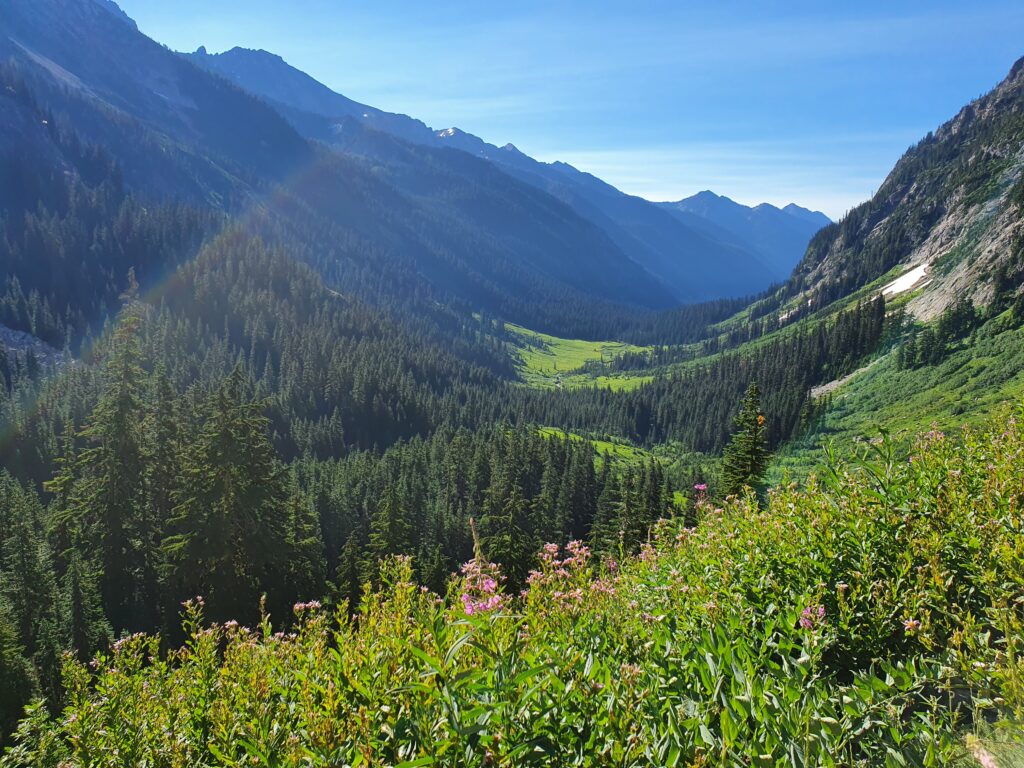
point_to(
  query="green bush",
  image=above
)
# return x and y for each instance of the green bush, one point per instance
(873, 617)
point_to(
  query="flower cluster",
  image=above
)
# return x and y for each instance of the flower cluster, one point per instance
(127, 640)
(312, 605)
(812, 616)
(481, 581)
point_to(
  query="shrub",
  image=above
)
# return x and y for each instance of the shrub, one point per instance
(872, 617)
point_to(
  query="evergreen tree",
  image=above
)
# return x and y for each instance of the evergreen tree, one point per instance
(106, 499)
(349, 576)
(17, 680)
(231, 519)
(306, 566)
(29, 584)
(87, 626)
(391, 532)
(746, 456)
(161, 450)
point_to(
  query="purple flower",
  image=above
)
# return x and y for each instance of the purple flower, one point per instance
(812, 616)
(700, 487)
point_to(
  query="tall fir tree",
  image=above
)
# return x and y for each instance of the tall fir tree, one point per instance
(745, 460)
(107, 496)
(17, 678)
(229, 527)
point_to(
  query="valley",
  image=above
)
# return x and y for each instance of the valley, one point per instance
(331, 438)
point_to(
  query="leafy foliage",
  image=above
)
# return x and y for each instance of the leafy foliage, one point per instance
(868, 619)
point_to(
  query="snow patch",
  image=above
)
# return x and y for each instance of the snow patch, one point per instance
(906, 282)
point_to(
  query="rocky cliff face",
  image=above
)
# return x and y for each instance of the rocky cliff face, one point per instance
(953, 203)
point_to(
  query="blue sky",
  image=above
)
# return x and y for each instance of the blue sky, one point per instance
(806, 102)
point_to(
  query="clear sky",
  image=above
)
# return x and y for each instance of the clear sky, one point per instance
(794, 101)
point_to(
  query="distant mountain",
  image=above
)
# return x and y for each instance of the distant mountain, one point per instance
(814, 217)
(778, 236)
(402, 224)
(691, 262)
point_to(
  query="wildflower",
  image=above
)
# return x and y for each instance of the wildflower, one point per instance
(983, 756)
(760, 419)
(910, 626)
(812, 616)
(481, 581)
(700, 486)
(630, 673)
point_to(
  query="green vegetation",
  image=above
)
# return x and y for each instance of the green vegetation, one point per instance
(745, 458)
(871, 619)
(548, 361)
(617, 449)
(977, 377)
(299, 407)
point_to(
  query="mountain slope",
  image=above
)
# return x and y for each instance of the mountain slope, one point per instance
(90, 50)
(950, 206)
(692, 264)
(778, 236)
(426, 229)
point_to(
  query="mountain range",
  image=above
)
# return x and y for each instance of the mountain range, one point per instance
(730, 255)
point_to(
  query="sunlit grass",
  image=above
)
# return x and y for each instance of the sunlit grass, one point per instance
(547, 361)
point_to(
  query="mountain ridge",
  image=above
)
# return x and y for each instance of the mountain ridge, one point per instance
(950, 203)
(778, 235)
(667, 246)
(476, 236)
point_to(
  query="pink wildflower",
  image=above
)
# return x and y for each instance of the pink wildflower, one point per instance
(812, 616)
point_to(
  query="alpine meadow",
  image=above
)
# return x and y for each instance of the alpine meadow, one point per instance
(331, 438)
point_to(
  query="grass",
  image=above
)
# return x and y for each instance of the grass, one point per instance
(966, 388)
(548, 361)
(618, 449)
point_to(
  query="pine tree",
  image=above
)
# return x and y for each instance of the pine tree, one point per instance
(348, 578)
(161, 450)
(306, 566)
(17, 678)
(87, 626)
(505, 536)
(29, 584)
(745, 460)
(104, 502)
(231, 518)
(391, 532)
